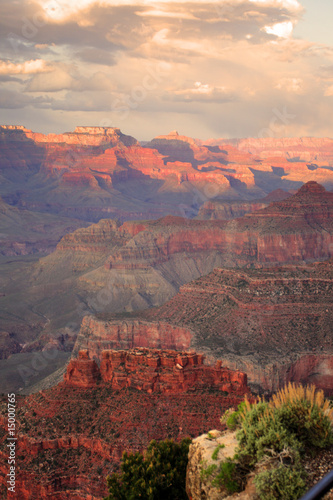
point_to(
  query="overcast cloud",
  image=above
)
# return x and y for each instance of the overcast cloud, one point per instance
(209, 69)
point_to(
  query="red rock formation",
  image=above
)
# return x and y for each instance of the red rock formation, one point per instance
(71, 437)
(99, 335)
(272, 323)
(92, 162)
(153, 370)
(82, 372)
(298, 228)
(227, 210)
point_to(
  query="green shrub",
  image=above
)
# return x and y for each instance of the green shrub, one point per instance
(159, 474)
(227, 476)
(232, 419)
(262, 434)
(282, 482)
(296, 418)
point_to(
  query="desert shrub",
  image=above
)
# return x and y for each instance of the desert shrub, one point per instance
(281, 482)
(296, 418)
(231, 418)
(304, 412)
(262, 434)
(159, 474)
(227, 476)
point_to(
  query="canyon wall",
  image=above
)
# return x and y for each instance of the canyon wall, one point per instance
(272, 323)
(153, 370)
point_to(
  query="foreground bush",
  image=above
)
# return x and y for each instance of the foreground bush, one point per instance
(275, 433)
(282, 482)
(159, 474)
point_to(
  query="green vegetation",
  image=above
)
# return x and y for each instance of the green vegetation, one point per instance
(216, 451)
(273, 435)
(227, 476)
(280, 482)
(159, 474)
(208, 471)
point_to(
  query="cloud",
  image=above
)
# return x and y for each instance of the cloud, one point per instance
(283, 30)
(201, 92)
(96, 56)
(291, 85)
(227, 63)
(11, 99)
(26, 68)
(63, 78)
(329, 91)
(55, 81)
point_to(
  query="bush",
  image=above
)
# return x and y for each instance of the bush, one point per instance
(158, 475)
(282, 482)
(227, 476)
(305, 413)
(232, 418)
(262, 434)
(296, 418)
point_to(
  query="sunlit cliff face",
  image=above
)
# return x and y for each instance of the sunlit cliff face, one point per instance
(217, 68)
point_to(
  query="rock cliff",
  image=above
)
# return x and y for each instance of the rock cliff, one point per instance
(153, 370)
(272, 323)
(111, 267)
(99, 166)
(72, 436)
(226, 210)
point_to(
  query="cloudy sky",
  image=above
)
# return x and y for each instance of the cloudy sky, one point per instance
(227, 68)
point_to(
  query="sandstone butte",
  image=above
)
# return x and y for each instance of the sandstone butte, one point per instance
(73, 435)
(98, 166)
(275, 324)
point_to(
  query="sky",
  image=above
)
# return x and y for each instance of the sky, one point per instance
(226, 68)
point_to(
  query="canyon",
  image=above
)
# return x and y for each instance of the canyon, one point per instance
(274, 324)
(113, 267)
(73, 435)
(159, 283)
(99, 172)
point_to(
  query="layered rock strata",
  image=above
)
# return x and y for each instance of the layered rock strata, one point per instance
(153, 370)
(275, 324)
(71, 437)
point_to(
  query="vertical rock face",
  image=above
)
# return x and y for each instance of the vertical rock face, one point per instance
(150, 370)
(82, 372)
(201, 452)
(98, 335)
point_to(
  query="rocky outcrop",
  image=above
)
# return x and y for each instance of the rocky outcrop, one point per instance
(297, 229)
(201, 458)
(153, 370)
(98, 335)
(71, 438)
(212, 210)
(227, 210)
(273, 324)
(82, 372)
